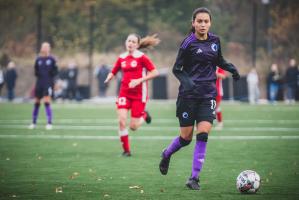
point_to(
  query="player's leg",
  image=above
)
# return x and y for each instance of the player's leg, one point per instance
(35, 112)
(38, 95)
(123, 131)
(137, 114)
(186, 119)
(48, 109)
(219, 125)
(204, 120)
(123, 105)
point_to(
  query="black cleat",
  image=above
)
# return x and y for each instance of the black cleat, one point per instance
(193, 184)
(126, 154)
(148, 118)
(164, 164)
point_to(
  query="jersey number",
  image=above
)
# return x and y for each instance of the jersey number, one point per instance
(213, 104)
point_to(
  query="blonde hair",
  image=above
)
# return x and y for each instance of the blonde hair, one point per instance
(148, 41)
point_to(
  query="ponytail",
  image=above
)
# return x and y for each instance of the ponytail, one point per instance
(149, 41)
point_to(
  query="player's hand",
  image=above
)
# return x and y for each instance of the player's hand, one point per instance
(236, 75)
(134, 82)
(109, 77)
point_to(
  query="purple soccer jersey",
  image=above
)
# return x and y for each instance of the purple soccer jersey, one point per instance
(195, 66)
(45, 71)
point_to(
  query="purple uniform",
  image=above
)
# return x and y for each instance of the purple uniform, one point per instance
(45, 71)
(196, 64)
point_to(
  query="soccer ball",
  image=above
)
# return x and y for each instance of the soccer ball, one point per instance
(248, 182)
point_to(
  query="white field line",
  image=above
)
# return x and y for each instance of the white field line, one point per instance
(81, 137)
(155, 128)
(156, 121)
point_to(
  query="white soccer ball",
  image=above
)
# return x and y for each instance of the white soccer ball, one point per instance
(248, 182)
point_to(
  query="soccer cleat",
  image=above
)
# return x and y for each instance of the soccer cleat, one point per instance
(49, 127)
(126, 154)
(32, 126)
(164, 164)
(148, 118)
(193, 184)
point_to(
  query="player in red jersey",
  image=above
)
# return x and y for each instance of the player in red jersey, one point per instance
(220, 73)
(137, 69)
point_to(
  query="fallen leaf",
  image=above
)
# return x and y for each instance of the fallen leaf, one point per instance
(135, 187)
(58, 190)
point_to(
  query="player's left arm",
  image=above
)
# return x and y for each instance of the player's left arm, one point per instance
(54, 70)
(223, 64)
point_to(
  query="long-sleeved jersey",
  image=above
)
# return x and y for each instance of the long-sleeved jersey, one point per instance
(195, 66)
(133, 66)
(45, 71)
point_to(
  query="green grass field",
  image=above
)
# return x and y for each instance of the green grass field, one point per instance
(80, 158)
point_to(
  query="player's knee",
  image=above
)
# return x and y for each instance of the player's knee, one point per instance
(122, 123)
(202, 137)
(133, 126)
(184, 142)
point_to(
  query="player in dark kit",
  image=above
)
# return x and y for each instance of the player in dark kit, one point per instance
(45, 70)
(195, 68)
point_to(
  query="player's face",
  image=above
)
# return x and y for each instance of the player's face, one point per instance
(132, 43)
(45, 49)
(202, 23)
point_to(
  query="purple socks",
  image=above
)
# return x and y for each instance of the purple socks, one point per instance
(199, 154)
(48, 112)
(176, 144)
(35, 112)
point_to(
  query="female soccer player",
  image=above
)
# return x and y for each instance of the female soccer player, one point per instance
(45, 69)
(220, 74)
(137, 69)
(195, 67)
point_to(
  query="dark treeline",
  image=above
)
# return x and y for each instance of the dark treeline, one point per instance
(66, 23)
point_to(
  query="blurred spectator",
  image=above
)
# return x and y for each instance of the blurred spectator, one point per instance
(253, 88)
(1, 79)
(273, 82)
(291, 81)
(71, 76)
(101, 73)
(10, 80)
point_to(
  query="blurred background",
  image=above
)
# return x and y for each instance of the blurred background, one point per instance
(86, 35)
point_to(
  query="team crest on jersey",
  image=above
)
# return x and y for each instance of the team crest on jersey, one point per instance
(40, 63)
(214, 47)
(185, 115)
(198, 51)
(48, 62)
(133, 63)
(123, 64)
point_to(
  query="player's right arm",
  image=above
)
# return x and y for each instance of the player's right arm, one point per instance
(116, 68)
(36, 68)
(179, 72)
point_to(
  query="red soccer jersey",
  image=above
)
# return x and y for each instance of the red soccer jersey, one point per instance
(133, 66)
(219, 82)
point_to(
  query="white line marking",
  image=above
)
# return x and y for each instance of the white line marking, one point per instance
(156, 121)
(156, 128)
(81, 137)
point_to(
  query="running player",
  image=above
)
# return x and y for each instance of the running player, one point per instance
(137, 69)
(220, 73)
(195, 68)
(45, 69)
